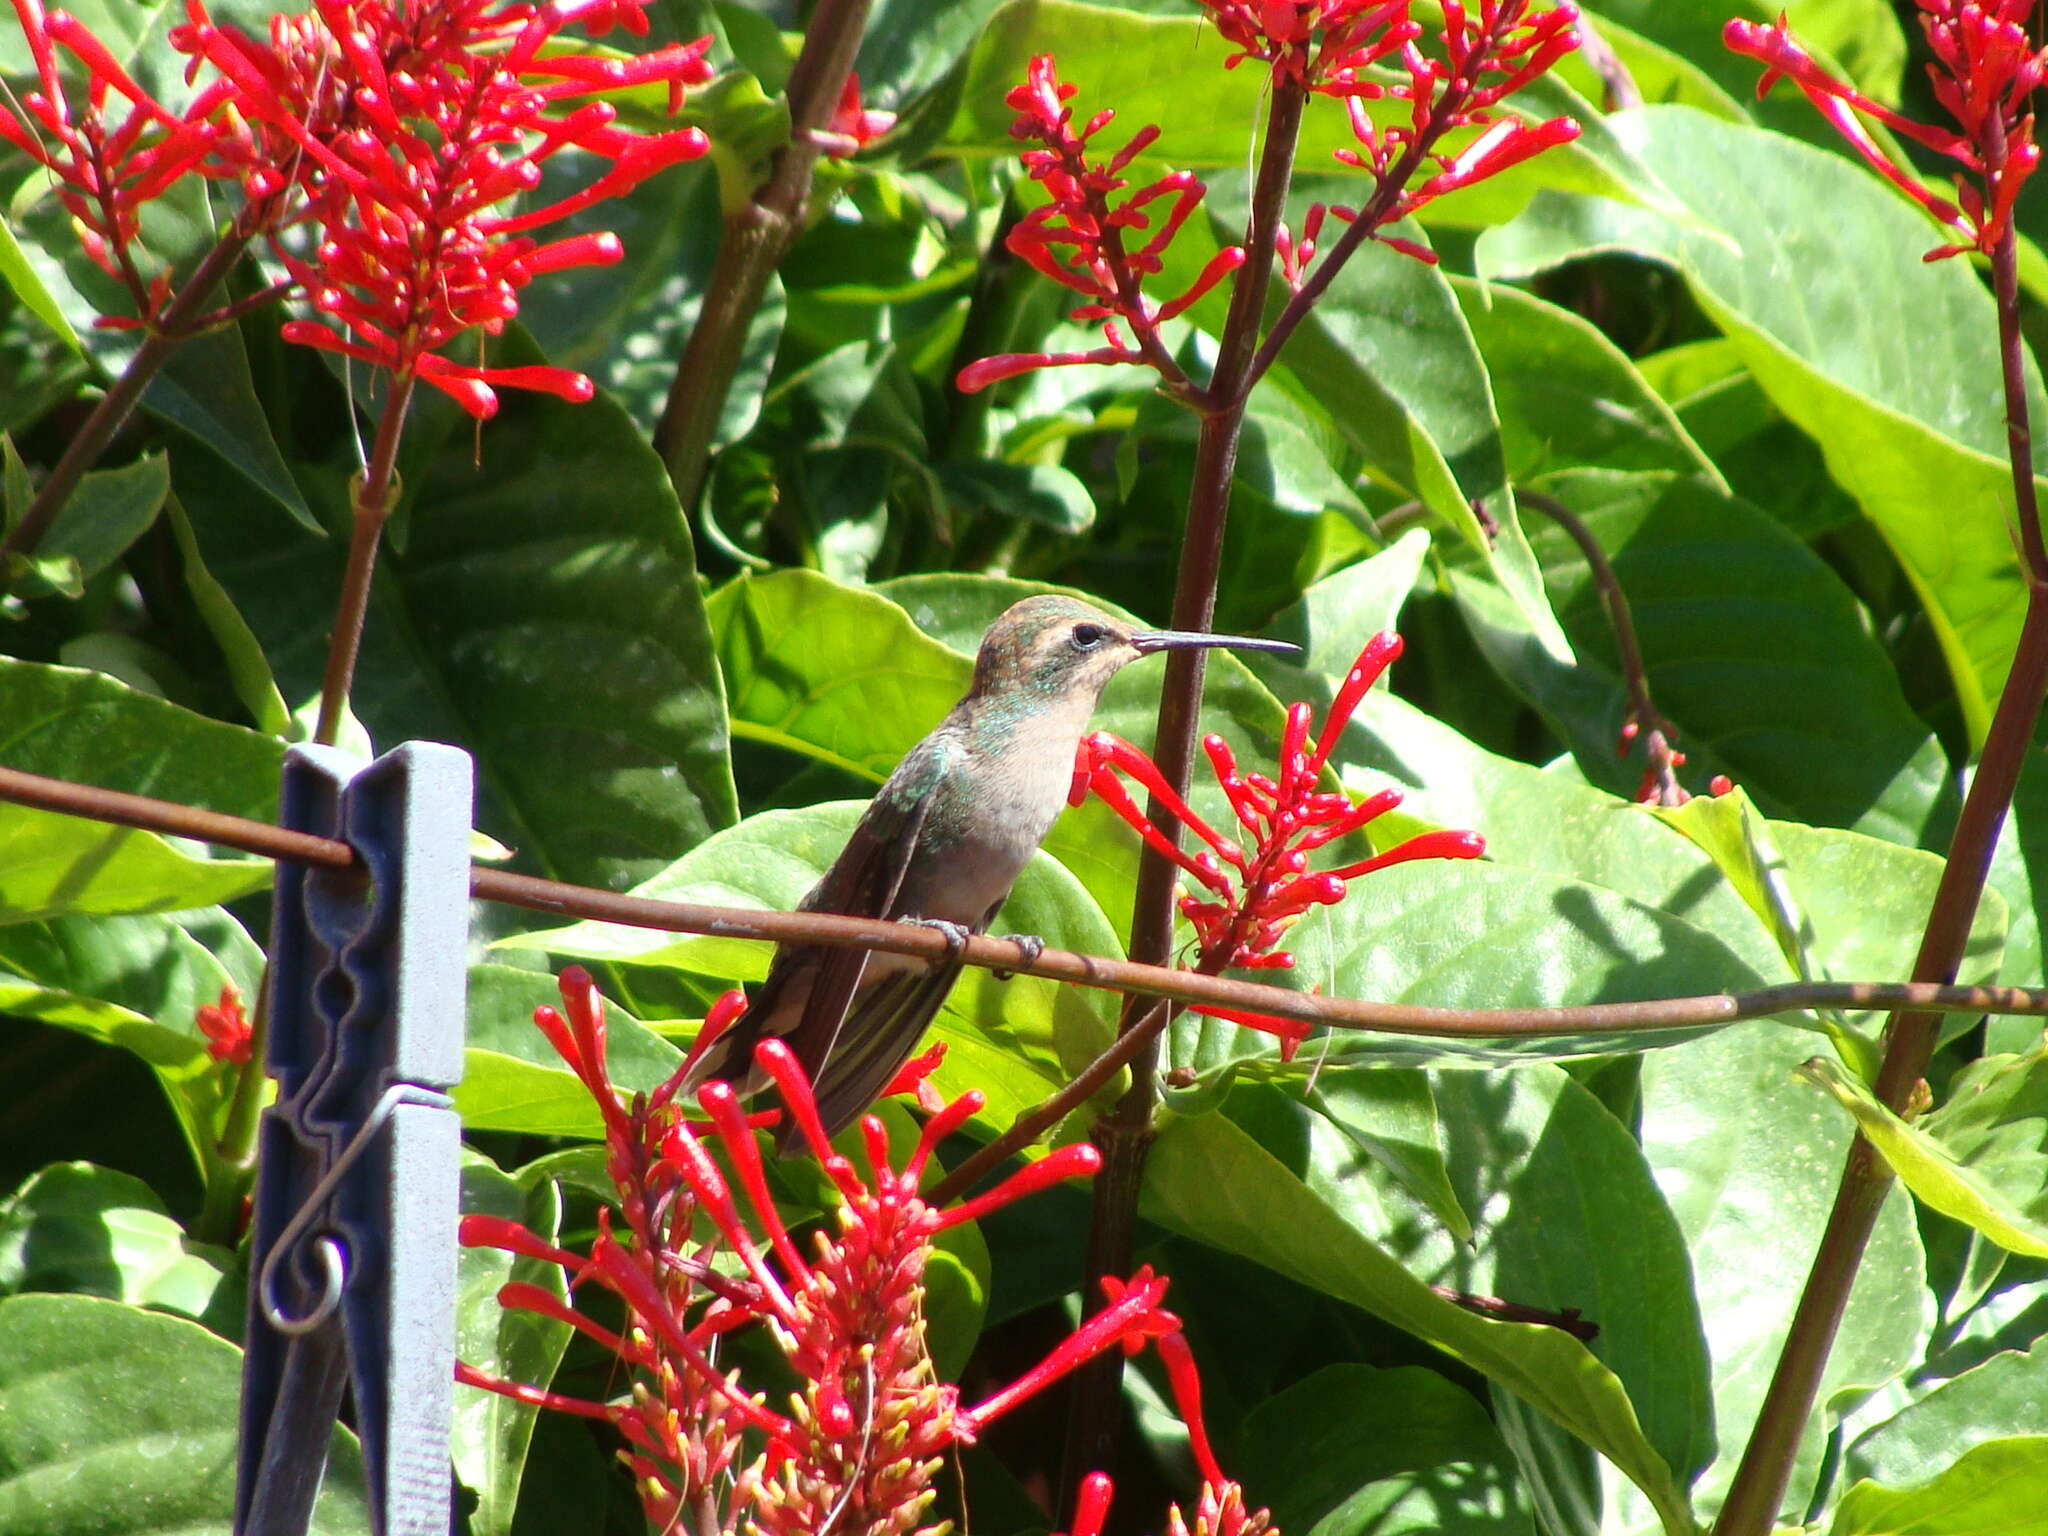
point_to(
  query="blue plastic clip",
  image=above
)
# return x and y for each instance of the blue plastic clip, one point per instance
(352, 1263)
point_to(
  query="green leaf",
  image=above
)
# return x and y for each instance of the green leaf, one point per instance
(1211, 1180)
(1988, 1171)
(52, 865)
(1335, 613)
(114, 1420)
(492, 1433)
(1387, 355)
(248, 668)
(543, 614)
(1568, 398)
(135, 983)
(1745, 1154)
(110, 509)
(2006, 1395)
(22, 281)
(85, 1230)
(1477, 935)
(1044, 494)
(1796, 255)
(1141, 65)
(86, 727)
(2001, 1485)
(1390, 1115)
(513, 1080)
(835, 673)
(1754, 649)
(1352, 1449)
(1861, 36)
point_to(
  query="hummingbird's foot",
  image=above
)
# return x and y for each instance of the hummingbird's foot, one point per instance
(956, 934)
(1032, 947)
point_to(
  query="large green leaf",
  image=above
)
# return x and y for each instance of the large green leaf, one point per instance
(1748, 1157)
(492, 1433)
(81, 1229)
(1479, 935)
(513, 1080)
(116, 1420)
(1353, 1450)
(1801, 258)
(1210, 1179)
(52, 865)
(1568, 397)
(86, 727)
(108, 511)
(2000, 1485)
(1755, 651)
(835, 673)
(1982, 1159)
(1142, 65)
(1862, 35)
(136, 983)
(2006, 1395)
(543, 613)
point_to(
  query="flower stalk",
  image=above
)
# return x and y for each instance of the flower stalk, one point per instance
(1986, 67)
(756, 236)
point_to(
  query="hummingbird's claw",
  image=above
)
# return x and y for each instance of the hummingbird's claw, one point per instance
(956, 934)
(1029, 944)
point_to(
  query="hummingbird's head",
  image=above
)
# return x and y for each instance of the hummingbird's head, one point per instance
(1054, 647)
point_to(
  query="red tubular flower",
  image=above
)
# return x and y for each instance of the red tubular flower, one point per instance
(1259, 888)
(853, 127)
(1220, 1509)
(1479, 57)
(452, 108)
(1078, 239)
(226, 1027)
(869, 1424)
(112, 154)
(1985, 71)
(1325, 45)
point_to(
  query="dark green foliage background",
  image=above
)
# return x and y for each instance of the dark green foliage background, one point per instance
(1702, 328)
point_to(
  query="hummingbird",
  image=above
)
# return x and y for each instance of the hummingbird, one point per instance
(940, 845)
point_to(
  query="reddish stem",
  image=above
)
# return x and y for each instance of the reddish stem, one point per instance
(1910, 1037)
(371, 500)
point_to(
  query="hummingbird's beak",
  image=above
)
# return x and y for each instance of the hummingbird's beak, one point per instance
(1146, 641)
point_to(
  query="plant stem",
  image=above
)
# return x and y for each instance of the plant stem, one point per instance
(757, 235)
(1910, 1037)
(230, 1171)
(1642, 709)
(371, 500)
(1125, 1132)
(115, 406)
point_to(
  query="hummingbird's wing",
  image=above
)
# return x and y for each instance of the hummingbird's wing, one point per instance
(811, 989)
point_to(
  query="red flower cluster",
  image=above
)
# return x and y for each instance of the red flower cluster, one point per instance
(1257, 892)
(1077, 239)
(1985, 71)
(869, 1422)
(1481, 57)
(1325, 45)
(377, 143)
(454, 107)
(229, 1037)
(118, 151)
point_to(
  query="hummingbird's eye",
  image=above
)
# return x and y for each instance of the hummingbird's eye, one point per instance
(1088, 636)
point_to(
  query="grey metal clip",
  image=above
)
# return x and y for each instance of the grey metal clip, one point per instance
(353, 1250)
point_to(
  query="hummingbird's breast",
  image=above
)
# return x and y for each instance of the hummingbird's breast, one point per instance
(1005, 786)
